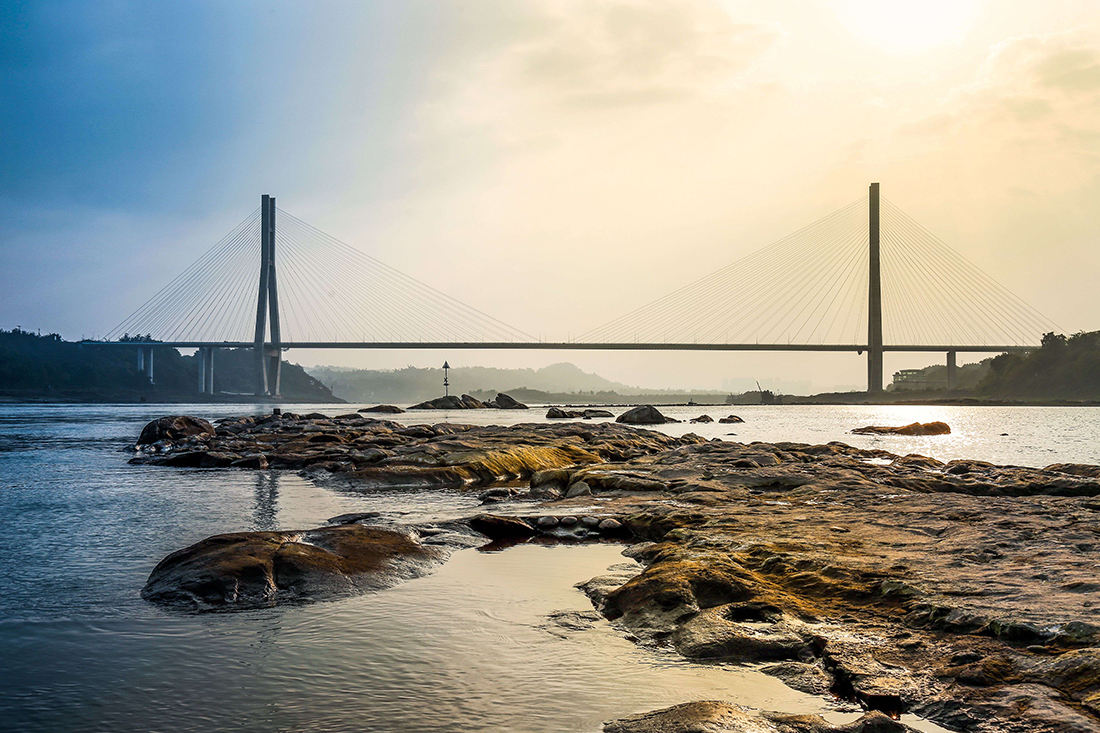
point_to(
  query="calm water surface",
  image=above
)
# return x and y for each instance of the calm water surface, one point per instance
(469, 648)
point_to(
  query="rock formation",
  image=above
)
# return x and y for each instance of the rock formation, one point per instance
(505, 402)
(258, 568)
(560, 413)
(963, 591)
(451, 402)
(928, 428)
(174, 427)
(644, 415)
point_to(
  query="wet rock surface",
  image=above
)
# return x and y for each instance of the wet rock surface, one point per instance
(261, 568)
(891, 581)
(708, 716)
(963, 592)
(174, 427)
(373, 453)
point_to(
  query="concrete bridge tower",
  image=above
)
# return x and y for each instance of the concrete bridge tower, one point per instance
(268, 354)
(874, 299)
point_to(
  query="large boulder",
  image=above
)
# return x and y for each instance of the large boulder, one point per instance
(174, 427)
(262, 568)
(928, 428)
(451, 402)
(387, 409)
(644, 415)
(558, 413)
(505, 402)
(496, 527)
(730, 419)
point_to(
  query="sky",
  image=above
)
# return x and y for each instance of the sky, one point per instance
(553, 163)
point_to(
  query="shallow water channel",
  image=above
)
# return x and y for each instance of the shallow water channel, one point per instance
(492, 641)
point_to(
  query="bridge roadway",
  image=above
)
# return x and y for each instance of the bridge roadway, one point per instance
(561, 346)
(271, 351)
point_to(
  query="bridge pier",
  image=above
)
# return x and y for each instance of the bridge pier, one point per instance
(145, 361)
(206, 369)
(952, 378)
(274, 370)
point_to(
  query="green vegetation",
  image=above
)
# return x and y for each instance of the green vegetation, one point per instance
(1061, 369)
(34, 366)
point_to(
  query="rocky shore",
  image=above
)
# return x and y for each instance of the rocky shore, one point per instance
(962, 592)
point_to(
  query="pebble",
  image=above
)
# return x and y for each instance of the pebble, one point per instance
(547, 522)
(568, 521)
(610, 525)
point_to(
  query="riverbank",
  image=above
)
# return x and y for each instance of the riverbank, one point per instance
(134, 397)
(960, 591)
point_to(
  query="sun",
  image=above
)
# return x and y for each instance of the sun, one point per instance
(905, 26)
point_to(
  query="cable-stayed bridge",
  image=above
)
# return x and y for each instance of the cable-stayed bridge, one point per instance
(866, 278)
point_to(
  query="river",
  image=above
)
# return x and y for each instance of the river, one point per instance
(473, 647)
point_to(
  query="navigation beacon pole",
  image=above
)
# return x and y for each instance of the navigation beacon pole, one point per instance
(446, 384)
(874, 299)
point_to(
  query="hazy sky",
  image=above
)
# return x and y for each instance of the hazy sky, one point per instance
(555, 164)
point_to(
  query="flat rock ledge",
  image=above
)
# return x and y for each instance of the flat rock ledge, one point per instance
(262, 568)
(961, 592)
(375, 453)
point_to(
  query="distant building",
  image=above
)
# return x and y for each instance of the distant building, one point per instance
(917, 379)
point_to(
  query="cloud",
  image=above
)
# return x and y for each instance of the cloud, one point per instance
(601, 56)
(1037, 89)
(616, 53)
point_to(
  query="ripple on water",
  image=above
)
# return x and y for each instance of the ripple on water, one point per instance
(465, 649)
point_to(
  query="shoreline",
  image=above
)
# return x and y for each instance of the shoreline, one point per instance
(788, 401)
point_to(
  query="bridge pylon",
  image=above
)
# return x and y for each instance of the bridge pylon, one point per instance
(874, 297)
(268, 354)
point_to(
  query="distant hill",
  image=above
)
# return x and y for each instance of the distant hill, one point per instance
(48, 367)
(559, 382)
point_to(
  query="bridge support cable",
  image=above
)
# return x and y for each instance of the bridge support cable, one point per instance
(185, 308)
(876, 278)
(331, 293)
(958, 302)
(796, 290)
(365, 300)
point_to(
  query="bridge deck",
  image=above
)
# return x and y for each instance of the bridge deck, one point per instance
(573, 346)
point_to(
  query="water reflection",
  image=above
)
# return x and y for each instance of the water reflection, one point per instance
(267, 501)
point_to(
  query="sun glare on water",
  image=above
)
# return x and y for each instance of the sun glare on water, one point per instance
(904, 26)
